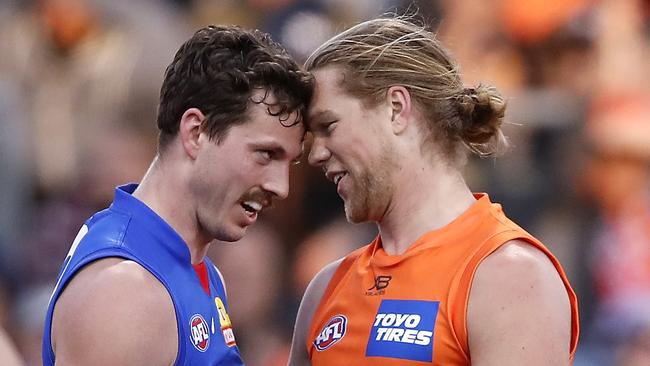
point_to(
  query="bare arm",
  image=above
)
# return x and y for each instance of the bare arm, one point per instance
(518, 311)
(114, 312)
(310, 301)
(8, 353)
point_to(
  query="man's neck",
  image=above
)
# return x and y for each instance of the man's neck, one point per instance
(426, 199)
(166, 194)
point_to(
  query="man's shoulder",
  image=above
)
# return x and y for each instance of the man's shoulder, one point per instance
(88, 251)
(322, 278)
(108, 229)
(116, 300)
(515, 289)
(518, 267)
(518, 257)
(108, 283)
(308, 306)
(105, 227)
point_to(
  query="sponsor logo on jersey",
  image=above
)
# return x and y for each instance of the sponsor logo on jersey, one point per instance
(199, 332)
(378, 288)
(403, 329)
(332, 332)
(226, 324)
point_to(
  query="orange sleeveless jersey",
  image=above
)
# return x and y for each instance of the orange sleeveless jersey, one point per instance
(409, 309)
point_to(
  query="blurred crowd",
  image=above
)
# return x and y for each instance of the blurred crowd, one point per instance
(79, 83)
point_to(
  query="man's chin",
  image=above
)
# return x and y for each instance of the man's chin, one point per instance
(231, 235)
(355, 215)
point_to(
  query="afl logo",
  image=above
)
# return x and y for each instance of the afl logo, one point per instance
(200, 332)
(331, 333)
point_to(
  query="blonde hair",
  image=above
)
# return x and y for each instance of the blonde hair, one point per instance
(385, 52)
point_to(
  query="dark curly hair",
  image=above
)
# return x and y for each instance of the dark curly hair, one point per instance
(217, 71)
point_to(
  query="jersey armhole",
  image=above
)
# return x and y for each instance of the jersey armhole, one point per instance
(112, 253)
(466, 278)
(462, 284)
(341, 270)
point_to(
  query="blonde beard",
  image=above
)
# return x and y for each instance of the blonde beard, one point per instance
(372, 189)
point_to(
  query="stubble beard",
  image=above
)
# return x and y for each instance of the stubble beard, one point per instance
(212, 229)
(371, 190)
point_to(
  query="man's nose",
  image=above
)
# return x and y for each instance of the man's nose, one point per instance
(277, 183)
(319, 153)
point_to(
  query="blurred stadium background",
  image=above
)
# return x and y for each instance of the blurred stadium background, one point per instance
(79, 82)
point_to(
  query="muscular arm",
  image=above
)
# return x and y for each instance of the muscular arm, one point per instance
(114, 312)
(518, 311)
(310, 301)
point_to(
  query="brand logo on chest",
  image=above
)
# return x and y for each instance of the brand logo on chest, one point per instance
(199, 332)
(403, 329)
(332, 332)
(379, 287)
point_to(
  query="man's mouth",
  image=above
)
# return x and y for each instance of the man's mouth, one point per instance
(336, 176)
(252, 206)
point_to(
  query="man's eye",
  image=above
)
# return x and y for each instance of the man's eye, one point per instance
(329, 127)
(266, 155)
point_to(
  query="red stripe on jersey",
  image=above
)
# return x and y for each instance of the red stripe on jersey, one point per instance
(202, 271)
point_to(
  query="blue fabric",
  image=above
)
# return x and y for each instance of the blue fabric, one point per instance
(403, 329)
(131, 230)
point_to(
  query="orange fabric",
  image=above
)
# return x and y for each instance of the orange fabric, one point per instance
(438, 267)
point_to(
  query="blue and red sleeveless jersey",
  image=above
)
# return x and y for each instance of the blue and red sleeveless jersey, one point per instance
(131, 230)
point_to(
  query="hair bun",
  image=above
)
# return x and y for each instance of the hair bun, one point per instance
(482, 110)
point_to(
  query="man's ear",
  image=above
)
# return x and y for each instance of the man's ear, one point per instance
(190, 130)
(399, 101)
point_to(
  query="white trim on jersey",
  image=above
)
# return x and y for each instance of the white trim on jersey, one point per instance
(223, 282)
